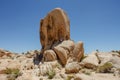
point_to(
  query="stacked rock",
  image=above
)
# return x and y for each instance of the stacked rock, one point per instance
(55, 38)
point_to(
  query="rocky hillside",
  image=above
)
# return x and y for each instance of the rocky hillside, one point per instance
(94, 66)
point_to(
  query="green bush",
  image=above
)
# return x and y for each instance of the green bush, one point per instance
(69, 77)
(12, 73)
(105, 68)
(51, 74)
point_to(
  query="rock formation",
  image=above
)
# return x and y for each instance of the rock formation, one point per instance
(55, 27)
(21, 66)
(55, 38)
(63, 59)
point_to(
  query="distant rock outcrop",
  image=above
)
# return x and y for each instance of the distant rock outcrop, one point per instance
(4, 53)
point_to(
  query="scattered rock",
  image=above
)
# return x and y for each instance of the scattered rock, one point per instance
(72, 67)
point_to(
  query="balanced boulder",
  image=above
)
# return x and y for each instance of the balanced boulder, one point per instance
(55, 27)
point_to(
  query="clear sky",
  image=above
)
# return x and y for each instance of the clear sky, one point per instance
(95, 22)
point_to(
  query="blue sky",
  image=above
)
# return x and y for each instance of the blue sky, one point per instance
(95, 22)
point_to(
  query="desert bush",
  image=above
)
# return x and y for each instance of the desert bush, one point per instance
(105, 68)
(12, 73)
(51, 74)
(69, 77)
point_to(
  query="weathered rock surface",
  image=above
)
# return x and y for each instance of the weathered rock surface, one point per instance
(55, 27)
(49, 55)
(115, 60)
(55, 37)
(96, 76)
(72, 67)
(67, 45)
(103, 57)
(91, 61)
(53, 69)
(78, 51)
(64, 50)
(62, 54)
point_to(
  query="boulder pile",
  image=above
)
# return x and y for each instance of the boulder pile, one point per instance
(94, 66)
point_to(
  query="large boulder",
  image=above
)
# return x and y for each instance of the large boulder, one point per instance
(78, 51)
(72, 67)
(68, 45)
(49, 55)
(63, 50)
(91, 61)
(62, 54)
(104, 57)
(55, 27)
(115, 60)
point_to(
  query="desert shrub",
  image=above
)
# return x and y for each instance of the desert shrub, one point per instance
(12, 73)
(105, 68)
(116, 51)
(69, 77)
(9, 71)
(51, 74)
